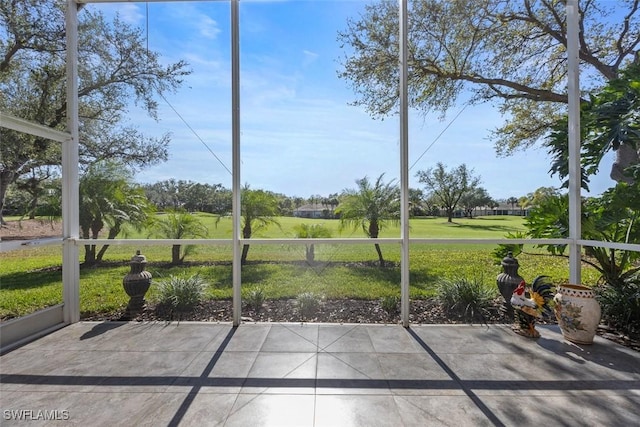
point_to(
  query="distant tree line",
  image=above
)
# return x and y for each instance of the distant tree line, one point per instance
(446, 191)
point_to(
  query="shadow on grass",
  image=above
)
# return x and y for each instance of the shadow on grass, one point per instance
(254, 273)
(31, 279)
(484, 227)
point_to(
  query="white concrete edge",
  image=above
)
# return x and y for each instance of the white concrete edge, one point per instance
(21, 330)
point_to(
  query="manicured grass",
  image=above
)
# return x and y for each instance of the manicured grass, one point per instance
(30, 279)
(430, 227)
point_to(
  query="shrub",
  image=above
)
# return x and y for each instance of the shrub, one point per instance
(621, 304)
(311, 231)
(308, 304)
(255, 298)
(390, 304)
(467, 298)
(181, 293)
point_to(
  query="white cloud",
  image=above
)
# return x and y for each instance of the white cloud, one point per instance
(309, 57)
(208, 27)
(299, 136)
(130, 13)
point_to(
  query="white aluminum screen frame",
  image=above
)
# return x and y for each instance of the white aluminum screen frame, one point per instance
(70, 171)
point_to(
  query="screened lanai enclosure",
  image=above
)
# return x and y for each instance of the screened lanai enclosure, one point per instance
(251, 113)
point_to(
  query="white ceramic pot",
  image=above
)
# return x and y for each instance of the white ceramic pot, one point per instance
(578, 313)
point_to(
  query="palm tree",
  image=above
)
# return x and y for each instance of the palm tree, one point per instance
(370, 207)
(179, 224)
(259, 209)
(108, 197)
(311, 231)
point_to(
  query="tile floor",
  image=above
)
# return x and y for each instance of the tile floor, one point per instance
(199, 374)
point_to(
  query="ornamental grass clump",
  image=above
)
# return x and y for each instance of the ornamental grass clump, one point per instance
(308, 304)
(390, 304)
(469, 299)
(255, 298)
(181, 293)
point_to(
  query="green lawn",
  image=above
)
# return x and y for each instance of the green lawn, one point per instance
(31, 279)
(482, 227)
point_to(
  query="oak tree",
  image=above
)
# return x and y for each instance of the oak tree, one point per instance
(115, 70)
(510, 53)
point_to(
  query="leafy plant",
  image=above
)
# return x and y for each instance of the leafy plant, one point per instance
(372, 207)
(179, 224)
(259, 209)
(308, 304)
(612, 217)
(390, 304)
(109, 199)
(503, 249)
(609, 218)
(254, 298)
(609, 122)
(467, 298)
(311, 231)
(181, 293)
(621, 304)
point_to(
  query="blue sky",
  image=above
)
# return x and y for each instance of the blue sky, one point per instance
(299, 134)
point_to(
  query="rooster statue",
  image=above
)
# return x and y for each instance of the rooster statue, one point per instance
(532, 304)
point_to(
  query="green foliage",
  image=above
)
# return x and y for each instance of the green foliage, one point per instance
(474, 198)
(371, 207)
(179, 224)
(515, 249)
(549, 219)
(40, 194)
(468, 298)
(449, 187)
(538, 196)
(259, 209)
(613, 217)
(30, 278)
(254, 298)
(609, 120)
(390, 304)
(308, 304)
(191, 196)
(621, 304)
(506, 52)
(480, 227)
(609, 218)
(311, 231)
(109, 199)
(115, 69)
(181, 293)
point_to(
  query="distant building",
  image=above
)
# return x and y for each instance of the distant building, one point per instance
(316, 210)
(502, 209)
(505, 209)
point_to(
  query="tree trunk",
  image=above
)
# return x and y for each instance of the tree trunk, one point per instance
(245, 252)
(379, 255)
(175, 254)
(310, 253)
(34, 206)
(89, 254)
(6, 178)
(113, 232)
(90, 250)
(625, 157)
(100, 254)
